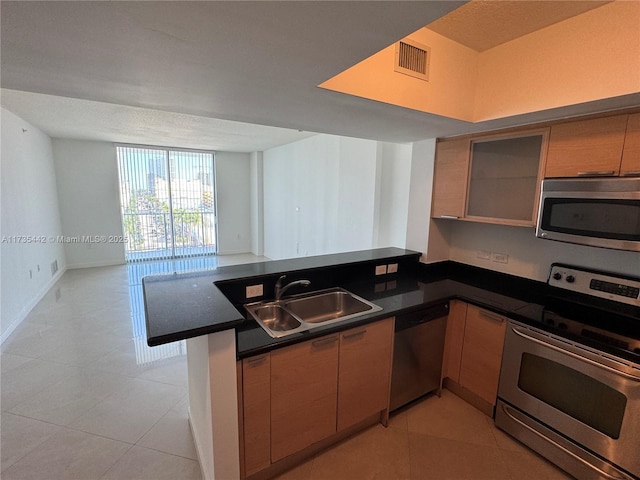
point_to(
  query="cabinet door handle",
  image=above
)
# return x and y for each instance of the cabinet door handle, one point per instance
(451, 217)
(635, 173)
(602, 173)
(324, 341)
(492, 316)
(354, 334)
(257, 361)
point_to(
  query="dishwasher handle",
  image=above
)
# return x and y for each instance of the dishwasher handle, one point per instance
(420, 316)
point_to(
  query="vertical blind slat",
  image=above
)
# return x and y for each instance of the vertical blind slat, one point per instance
(161, 185)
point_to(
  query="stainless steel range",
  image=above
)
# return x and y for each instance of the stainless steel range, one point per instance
(570, 380)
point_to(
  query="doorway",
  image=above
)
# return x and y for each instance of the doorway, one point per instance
(167, 199)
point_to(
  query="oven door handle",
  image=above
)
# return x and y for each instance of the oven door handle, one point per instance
(628, 376)
(506, 409)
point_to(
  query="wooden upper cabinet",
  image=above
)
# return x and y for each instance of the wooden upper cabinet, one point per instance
(504, 177)
(256, 382)
(586, 148)
(450, 178)
(304, 389)
(630, 165)
(365, 372)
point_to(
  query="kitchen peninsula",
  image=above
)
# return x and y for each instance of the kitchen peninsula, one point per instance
(205, 308)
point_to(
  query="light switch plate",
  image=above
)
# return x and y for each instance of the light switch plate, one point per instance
(254, 291)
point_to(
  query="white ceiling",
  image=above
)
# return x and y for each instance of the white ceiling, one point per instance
(63, 117)
(184, 73)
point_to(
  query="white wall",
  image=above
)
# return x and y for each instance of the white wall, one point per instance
(88, 186)
(328, 194)
(257, 211)
(213, 403)
(29, 206)
(529, 256)
(356, 202)
(394, 171)
(233, 186)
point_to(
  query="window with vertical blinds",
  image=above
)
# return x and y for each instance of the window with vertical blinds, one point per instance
(167, 199)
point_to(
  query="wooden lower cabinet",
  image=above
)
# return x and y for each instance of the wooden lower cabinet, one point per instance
(256, 424)
(306, 393)
(482, 352)
(454, 339)
(473, 350)
(304, 387)
(364, 375)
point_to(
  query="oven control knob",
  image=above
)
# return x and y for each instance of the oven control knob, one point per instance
(562, 326)
(570, 278)
(557, 276)
(549, 321)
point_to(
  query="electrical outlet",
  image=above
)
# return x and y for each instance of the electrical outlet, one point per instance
(381, 269)
(483, 254)
(500, 257)
(392, 268)
(254, 290)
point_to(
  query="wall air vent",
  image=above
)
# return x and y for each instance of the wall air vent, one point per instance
(412, 58)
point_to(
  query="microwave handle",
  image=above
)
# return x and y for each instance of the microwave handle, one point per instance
(602, 173)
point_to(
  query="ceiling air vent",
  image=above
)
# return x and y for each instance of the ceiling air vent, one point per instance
(412, 58)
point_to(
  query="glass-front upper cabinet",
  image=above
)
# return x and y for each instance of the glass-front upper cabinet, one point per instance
(504, 177)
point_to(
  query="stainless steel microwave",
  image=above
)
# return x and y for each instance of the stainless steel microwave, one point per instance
(600, 212)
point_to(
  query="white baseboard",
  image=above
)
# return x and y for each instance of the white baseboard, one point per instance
(110, 263)
(233, 251)
(29, 306)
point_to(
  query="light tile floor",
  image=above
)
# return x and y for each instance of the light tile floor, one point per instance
(83, 397)
(437, 438)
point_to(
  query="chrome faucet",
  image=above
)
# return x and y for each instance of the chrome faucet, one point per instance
(280, 289)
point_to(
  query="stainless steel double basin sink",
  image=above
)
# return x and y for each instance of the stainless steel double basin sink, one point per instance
(305, 311)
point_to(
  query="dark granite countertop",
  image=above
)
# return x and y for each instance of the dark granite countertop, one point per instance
(185, 305)
(400, 294)
(180, 306)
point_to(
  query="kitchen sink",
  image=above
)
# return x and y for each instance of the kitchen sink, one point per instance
(276, 318)
(324, 307)
(305, 311)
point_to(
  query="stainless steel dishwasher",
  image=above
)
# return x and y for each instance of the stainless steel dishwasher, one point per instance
(417, 353)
